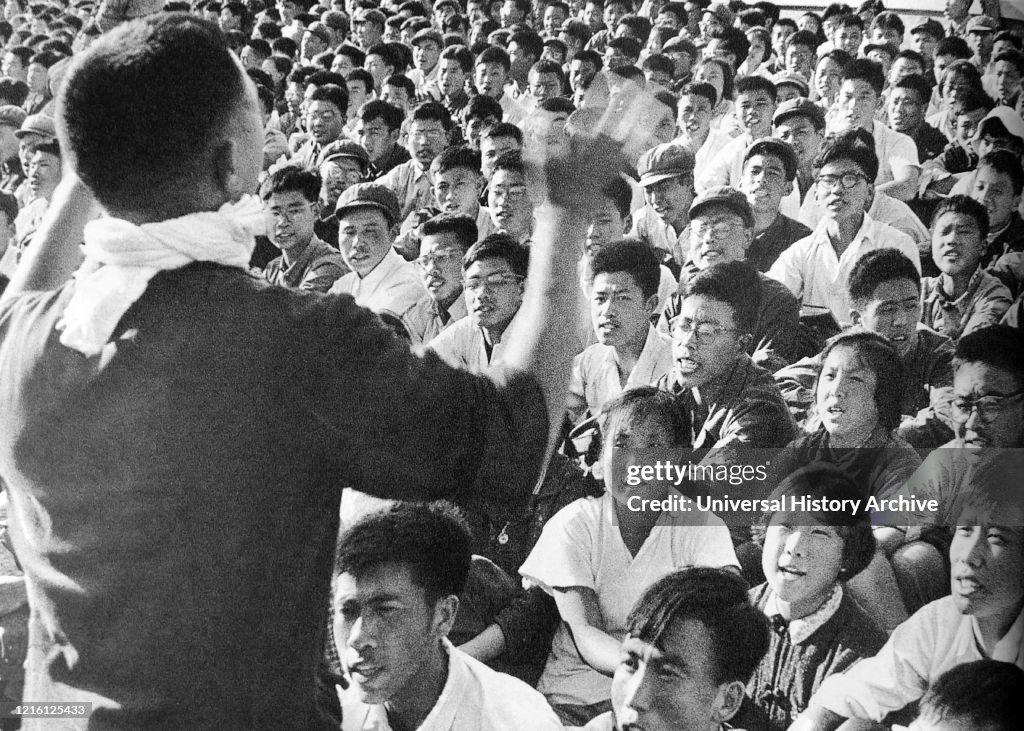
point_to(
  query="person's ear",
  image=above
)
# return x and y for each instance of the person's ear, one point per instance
(651, 304)
(315, 208)
(445, 611)
(627, 225)
(787, 188)
(855, 317)
(226, 161)
(728, 701)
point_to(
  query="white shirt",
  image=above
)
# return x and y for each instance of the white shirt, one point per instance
(462, 345)
(650, 228)
(726, 168)
(581, 547)
(716, 141)
(595, 371)
(817, 277)
(474, 698)
(884, 209)
(936, 638)
(896, 151)
(392, 286)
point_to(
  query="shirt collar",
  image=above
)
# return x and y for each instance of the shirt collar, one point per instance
(801, 629)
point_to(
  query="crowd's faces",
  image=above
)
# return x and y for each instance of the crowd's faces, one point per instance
(288, 10)
(386, 630)
(608, 227)
(367, 34)
(801, 560)
(849, 39)
(889, 36)
(550, 53)
(491, 148)
(580, 73)
(26, 146)
(800, 59)
(544, 86)
(450, 77)
(906, 109)
(493, 293)
(342, 64)
(980, 44)
(614, 58)
(965, 126)
(36, 78)
(474, 128)
(994, 190)
(758, 52)
(614, 11)
(378, 69)
(718, 235)
(892, 311)
(427, 139)
(619, 312)
(396, 96)
(336, 176)
(903, 67)
(754, 112)
(1002, 425)
(457, 191)
(924, 43)
(510, 206)
(764, 183)
(593, 16)
(999, 47)
(842, 203)
(702, 358)
(548, 131)
(477, 10)
(290, 219)
(671, 200)
(779, 35)
(846, 397)
(440, 264)
(672, 686)
(364, 238)
(375, 136)
(695, 114)
(987, 572)
(808, 22)
(491, 79)
(425, 55)
(311, 45)
(682, 61)
(510, 14)
(957, 244)
(250, 60)
(828, 77)
(519, 60)
(358, 94)
(1007, 80)
(711, 73)
(43, 174)
(709, 23)
(325, 121)
(785, 92)
(668, 19)
(658, 78)
(553, 18)
(857, 102)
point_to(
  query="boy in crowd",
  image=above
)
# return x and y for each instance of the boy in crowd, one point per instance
(905, 107)
(495, 141)
(325, 117)
(508, 198)
(380, 279)
(458, 184)
(666, 176)
(1007, 71)
(378, 129)
(755, 106)
(801, 124)
(290, 198)
(984, 694)
(998, 184)
(695, 111)
(623, 286)
(429, 135)
(491, 76)
(398, 577)
(454, 67)
(444, 242)
(493, 277)
(963, 297)
(815, 268)
(342, 163)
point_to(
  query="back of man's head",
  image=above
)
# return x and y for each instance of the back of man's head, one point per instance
(984, 695)
(143, 111)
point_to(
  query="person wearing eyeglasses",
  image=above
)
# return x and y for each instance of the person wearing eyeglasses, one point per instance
(493, 280)
(306, 262)
(508, 198)
(445, 239)
(815, 268)
(429, 135)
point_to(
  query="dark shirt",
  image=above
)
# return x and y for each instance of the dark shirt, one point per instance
(393, 159)
(930, 142)
(775, 239)
(1009, 240)
(175, 501)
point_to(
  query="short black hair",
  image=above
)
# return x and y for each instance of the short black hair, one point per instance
(849, 145)
(881, 357)
(13, 91)
(734, 41)
(461, 54)
(998, 346)
(432, 112)
(646, 404)
(966, 206)
(638, 24)
(737, 284)
(659, 62)
(511, 161)
(389, 54)
(376, 109)
(874, 268)
(133, 74)
(916, 83)
(494, 54)
(774, 147)
(292, 178)
(557, 104)
(1004, 161)
(532, 43)
(630, 47)
(953, 46)
(752, 83)
(633, 257)
(503, 129)
(462, 228)
(354, 53)
(9, 206)
(482, 107)
(803, 38)
(864, 69)
(431, 539)
(973, 100)
(336, 95)
(458, 156)
(700, 88)
(619, 193)
(987, 693)
(499, 246)
(718, 600)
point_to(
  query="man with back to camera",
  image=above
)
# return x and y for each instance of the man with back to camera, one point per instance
(195, 402)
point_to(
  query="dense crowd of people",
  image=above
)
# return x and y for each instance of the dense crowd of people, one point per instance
(329, 332)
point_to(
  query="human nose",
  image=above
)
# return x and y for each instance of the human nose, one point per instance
(794, 545)
(638, 691)
(973, 548)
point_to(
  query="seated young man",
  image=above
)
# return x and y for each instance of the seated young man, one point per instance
(458, 183)
(998, 184)
(508, 198)
(982, 618)
(380, 279)
(694, 113)
(721, 230)
(378, 129)
(429, 134)
(666, 176)
(884, 290)
(341, 164)
(290, 200)
(445, 240)
(816, 268)
(984, 694)
(494, 276)
(692, 642)
(801, 124)
(623, 285)
(398, 576)
(964, 297)
(735, 404)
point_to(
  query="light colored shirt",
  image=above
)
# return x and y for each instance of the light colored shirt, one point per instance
(726, 167)
(463, 346)
(716, 141)
(424, 321)
(412, 185)
(581, 547)
(474, 698)
(884, 209)
(817, 277)
(595, 371)
(896, 151)
(650, 228)
(982, 304)
(936, 638)
(392, 286)
(426, 84)
(317, 268)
